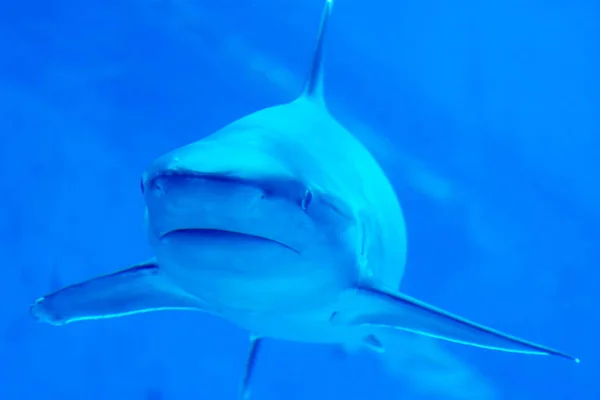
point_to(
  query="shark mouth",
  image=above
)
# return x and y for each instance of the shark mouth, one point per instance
(227, 234)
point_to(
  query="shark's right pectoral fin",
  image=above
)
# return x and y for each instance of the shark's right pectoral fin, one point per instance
(379, 309)
(137, 289)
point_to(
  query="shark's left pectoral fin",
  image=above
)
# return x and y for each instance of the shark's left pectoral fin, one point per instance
(381, 309)
(137, 289)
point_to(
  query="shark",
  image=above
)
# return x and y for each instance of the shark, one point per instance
(284, 224)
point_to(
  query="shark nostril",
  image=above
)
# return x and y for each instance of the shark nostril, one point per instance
(157, 186)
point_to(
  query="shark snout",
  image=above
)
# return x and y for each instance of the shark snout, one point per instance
(176, 166)
(158, 176)
(213, 159)
(165, 181)
(150, 177)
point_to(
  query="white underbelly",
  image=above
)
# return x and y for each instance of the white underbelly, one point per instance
(312, 326)
(243, 274)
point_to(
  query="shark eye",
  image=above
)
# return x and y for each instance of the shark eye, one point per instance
(306, 199)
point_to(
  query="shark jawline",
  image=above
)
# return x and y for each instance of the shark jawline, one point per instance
(226, 232)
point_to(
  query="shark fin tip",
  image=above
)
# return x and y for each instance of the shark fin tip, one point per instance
(314, 84)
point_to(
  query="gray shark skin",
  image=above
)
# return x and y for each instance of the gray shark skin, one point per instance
(282, 223)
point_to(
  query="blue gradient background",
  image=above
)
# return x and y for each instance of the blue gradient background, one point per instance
(485, 115)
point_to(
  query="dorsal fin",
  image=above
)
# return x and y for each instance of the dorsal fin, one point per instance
(314, 84)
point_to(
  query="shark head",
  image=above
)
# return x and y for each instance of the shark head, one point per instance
(250, 211)
(247, 187)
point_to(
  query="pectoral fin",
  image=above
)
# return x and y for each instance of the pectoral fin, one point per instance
(374, 308)
(137, 289)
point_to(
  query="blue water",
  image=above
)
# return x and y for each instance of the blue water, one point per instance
(485, 115)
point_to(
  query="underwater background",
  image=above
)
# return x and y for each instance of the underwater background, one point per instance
(484, 114)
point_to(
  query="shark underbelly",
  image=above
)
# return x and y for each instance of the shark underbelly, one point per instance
(238, 273)
(309, 326)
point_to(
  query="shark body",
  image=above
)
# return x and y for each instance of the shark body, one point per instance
(282, 223)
